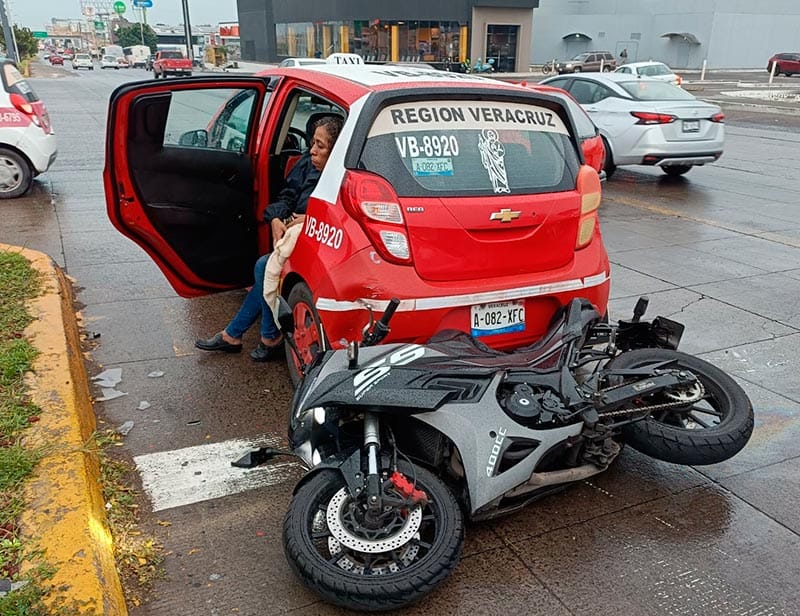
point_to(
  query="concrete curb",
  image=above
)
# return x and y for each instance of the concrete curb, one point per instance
(65, 513)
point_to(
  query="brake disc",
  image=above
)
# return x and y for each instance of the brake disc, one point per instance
(334, 516)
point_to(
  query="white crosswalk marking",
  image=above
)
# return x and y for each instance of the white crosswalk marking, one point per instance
(199, 473)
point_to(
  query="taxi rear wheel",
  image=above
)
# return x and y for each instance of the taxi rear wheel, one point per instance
(15, 174)
(308, 334)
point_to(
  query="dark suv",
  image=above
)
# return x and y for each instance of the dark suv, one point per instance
(588, 61)
(786, 63)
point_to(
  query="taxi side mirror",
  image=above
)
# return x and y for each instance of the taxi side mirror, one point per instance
(194, 138)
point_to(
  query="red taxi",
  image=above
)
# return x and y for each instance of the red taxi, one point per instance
(466, 198)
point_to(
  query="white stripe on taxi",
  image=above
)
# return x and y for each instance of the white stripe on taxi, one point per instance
(455, 301)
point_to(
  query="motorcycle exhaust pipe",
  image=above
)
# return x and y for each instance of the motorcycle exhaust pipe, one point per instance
(551, 478)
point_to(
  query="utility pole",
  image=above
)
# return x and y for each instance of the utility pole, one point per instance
(8, 33)
(188, 28)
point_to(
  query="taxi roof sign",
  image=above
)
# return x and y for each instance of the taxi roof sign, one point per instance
(344, 58)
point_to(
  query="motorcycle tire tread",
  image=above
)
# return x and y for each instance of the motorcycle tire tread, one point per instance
(359, 594)
(688, 447)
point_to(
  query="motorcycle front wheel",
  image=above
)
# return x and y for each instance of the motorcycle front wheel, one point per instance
(372, 569)
(701, 431)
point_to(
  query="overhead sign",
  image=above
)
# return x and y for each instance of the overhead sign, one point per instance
(119, 7)
(39, 34)
(143, 4)
(99, 26)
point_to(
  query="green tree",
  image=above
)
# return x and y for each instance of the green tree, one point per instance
(132, 35)
(26, 44)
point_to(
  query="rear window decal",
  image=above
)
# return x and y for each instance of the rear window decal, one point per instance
(493, 159)
(432, 166)
(447, 116)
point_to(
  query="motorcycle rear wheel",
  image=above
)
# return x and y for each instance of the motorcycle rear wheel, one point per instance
(378, 580)
(708, 431)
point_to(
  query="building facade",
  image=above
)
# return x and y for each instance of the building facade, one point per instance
(447, 31)
(681, 33)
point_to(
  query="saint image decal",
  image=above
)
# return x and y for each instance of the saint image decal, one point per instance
(493, 159)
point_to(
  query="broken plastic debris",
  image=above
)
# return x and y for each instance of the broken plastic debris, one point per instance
(7, 586)
(155, 374)
(125, 428)
(92, 335)
(214, 577)
(108, 378)
(110, 394)
(143, 405)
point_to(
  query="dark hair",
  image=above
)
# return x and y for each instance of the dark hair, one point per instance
(332, 125)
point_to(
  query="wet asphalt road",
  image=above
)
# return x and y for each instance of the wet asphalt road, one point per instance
(718, 249)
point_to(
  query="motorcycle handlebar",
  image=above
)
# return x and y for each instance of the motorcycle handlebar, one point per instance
(381, 328)
(389, 312)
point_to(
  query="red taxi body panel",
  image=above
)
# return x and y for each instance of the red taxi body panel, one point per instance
(464, 253)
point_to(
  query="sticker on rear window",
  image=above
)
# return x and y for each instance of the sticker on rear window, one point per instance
(493, 159)
(447, 116)
(432, 166)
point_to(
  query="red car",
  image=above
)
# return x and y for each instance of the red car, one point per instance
(786, 63)
(466, 198)
(56, 59)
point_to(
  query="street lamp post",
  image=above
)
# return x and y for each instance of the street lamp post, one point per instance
(188, 28)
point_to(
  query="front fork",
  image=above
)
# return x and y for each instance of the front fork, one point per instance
(372, 443)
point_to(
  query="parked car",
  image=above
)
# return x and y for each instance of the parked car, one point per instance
(300, 62)
(109, 62)
(786, 63)
(588, 61)
(27, 139)
(588, 134)
(462, 196)
(56, 59)
(82, 60)
(648, 122)
(654, 70)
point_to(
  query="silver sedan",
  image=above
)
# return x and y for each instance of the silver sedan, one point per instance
(647, 122)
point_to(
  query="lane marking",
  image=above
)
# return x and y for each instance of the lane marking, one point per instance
(195, 474)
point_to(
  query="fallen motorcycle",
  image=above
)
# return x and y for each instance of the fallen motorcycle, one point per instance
(400, 439)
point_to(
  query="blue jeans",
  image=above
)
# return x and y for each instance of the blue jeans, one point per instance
(254, 306)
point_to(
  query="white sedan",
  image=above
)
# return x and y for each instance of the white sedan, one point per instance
(290, 62)
(647, 122)
(109, 62)
(654, 70)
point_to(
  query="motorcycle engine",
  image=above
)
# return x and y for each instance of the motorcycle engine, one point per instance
(533, 406)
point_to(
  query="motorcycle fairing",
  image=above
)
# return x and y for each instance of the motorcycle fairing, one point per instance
(471, 433)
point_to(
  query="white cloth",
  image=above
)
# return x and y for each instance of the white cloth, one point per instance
(272, 273)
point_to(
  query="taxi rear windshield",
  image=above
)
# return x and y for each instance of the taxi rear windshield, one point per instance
(14, 83)
(471, 148)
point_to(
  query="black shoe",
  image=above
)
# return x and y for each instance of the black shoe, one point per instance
(216, 343)
(264, 353)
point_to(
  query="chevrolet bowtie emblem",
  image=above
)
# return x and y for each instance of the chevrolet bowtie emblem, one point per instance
(505, 215)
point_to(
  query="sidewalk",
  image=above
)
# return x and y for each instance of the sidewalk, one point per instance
(65, 514)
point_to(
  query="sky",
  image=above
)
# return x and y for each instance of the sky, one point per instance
(36, 14)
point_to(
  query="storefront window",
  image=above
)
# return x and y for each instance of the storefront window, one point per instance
(374, 40)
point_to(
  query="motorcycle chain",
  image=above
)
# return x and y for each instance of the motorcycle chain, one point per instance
(648, 410)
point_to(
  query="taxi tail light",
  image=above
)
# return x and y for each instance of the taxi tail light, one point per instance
(374, 205)
(23, 106)
(588, 188)
(718, 117)
(647, 117)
